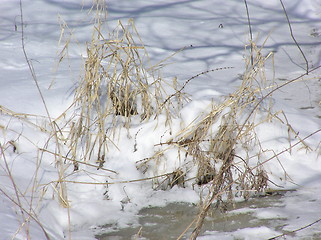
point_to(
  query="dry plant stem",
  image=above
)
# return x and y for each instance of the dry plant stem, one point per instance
(271, 92)
(186, 229)
(216, 188)
(188, 80)
(18, 203)
(25, 211)
(21, 195)
(34, 186)
(24, 117)
(118, 182)
(287, 149)
(25, 220)
(80, 162)
(63, 195)
(205, 209)
(250, 30)
(292, 36)
(296, 230)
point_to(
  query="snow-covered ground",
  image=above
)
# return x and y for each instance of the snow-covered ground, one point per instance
(212, 34)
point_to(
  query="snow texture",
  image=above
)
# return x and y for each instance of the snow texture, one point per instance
(212, 34)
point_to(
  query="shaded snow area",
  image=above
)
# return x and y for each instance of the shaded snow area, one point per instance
(148, 103)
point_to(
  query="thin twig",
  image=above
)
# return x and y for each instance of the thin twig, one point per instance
(292, 36)
(18, 201)
(250, 30)
(63, 195)
(296, 230)
(80, 162)
(186, 229)
(270, 93)
(188, 80)
(118, 182)
(287, 149)
(34, 77)
(29, 214)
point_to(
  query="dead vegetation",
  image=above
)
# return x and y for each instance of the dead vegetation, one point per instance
(118, 87)
(240, 175)
(212, 150)
(212, 144)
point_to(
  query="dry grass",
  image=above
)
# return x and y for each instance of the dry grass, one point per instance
(24, 199)
(212, 149)
(248, 107)
(117, 86)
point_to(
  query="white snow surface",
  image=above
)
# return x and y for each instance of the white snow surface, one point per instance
(28, 176)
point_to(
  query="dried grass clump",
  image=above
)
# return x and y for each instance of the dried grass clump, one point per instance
(216, 161)
(210, 144)
(132, 85)
(169, 180)
(238, 175)
(117, 87)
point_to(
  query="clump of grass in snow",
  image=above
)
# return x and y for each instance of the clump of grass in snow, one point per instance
(234, 174)
(208, 150)
(117, 86)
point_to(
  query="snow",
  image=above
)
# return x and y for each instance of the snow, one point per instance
(246, 234)
(28, 175)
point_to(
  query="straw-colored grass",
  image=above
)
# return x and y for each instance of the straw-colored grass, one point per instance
(119, 86)
(212, 150)
(248, 107)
